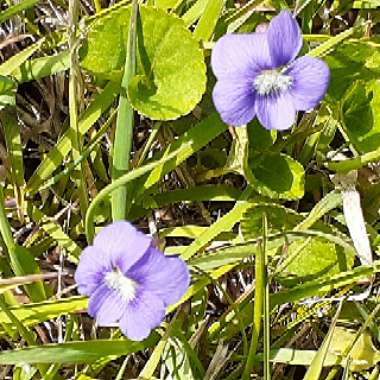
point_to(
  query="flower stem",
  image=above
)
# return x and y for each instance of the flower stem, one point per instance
(260, 292)
(124, 124)
(120, 182)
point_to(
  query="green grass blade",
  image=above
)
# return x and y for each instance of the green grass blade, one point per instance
(329, 45)
(17, 60)
(21, 260)
(122, 144)
(34, 313)
(206, 25)
(14, 149)
(258, 307)
(329, 202)
(26, 334)
(54, 230)
(189, 143)
(121, 181)
(74, 352)
(316, 366)
(194, 12)
(54, 158)
(223, 224)
(41, 67)
(69, 167)
(74, 80)
(17, 8)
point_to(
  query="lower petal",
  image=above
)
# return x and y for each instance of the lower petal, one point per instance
(109, 309)
(97, 298)
(234, 100)
(166, 277)
(142, 316)
(276, 111)
(311, 78)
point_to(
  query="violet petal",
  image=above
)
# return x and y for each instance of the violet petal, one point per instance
(123, 243)
(111, 310)
(142, 315)
(234, 101)
(166, 277)
(240, 55)
(310, 82)
(284, 38)
(101, 294)
(93, 264)
(276, 111)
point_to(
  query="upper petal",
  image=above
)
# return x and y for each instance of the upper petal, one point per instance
(240, 55)
(142, 315)
(284, 38)
(165, 276)
(276, 111)
(311, 78)
(93, 264)
(234, 100)
(123, 243)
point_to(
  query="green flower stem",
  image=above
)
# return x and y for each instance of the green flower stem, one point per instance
(122, 181)
(122, 145)
(267, 311)
(260, 286)
(354, 163)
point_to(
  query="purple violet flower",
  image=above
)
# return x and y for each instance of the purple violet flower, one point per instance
(258, 75)
(128, 280)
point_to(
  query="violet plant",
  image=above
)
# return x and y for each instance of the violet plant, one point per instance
(166, 115)
(259, 75)
(129, 281)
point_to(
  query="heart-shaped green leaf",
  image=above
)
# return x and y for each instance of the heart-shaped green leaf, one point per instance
(171, 73)
(361, 115)
(276, 175)
(318, 258)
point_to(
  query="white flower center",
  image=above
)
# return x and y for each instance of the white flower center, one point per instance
(125, 286)
(271, 81)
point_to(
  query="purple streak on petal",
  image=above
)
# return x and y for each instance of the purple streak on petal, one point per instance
(284, 38)
(240, 55)
(142, 315)
(106, 306)
(101, 293)
(234, 100)
(166, 277)
(123, 243)
(276, 111)
(93, 265)
(310, 82)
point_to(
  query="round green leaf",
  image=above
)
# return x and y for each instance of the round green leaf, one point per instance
(319, 258)
(361, 115)
(276, 175)
(171, 73)
(279, 218)
(352, 61)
